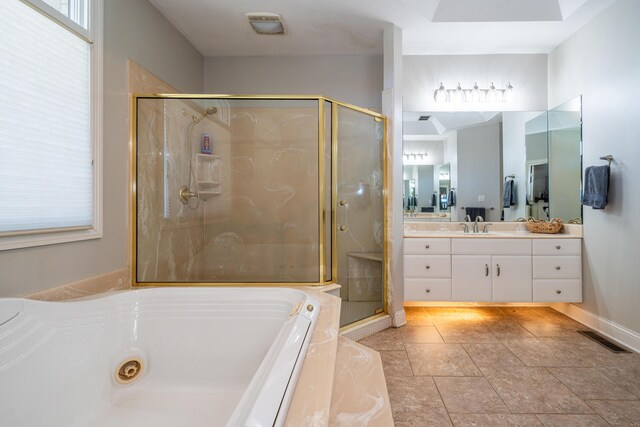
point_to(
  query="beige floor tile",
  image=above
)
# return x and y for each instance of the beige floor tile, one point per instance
(467, 395)
(546, 329)
(533, 390)
(415, 401)
(618, 412)
(389, 339)
(417, 316)
(627, 376)
(594, 353)
(469, 334)
(544, 352)
(494, 420)
(572, 420)
(441, 360)
(491, 355)
(508, 329)
(396, 363)
(420, 335)
(588, 383)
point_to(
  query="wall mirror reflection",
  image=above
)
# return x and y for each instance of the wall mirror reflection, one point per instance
(495, 166)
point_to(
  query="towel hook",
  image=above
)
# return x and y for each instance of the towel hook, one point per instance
(608, 158)
(509, 176)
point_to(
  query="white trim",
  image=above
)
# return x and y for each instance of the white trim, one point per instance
(63, 20)
(399, 318)
(32, 238)
(626, 337)
(368, 328)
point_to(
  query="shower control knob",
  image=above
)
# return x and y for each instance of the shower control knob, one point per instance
(558, 292)
(558, 267)
(343, 228)
(428, 290)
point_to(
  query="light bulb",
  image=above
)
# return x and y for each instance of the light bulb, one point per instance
(440, 95)
(491, 94)
(508, 92)
(475, 93)
(458, 95)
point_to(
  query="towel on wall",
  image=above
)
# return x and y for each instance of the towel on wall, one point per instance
(434, 199)
(474, 213)
(509, 197)
(452, 198)
(596, 187)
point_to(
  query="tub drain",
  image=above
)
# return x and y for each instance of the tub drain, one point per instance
(129, 371)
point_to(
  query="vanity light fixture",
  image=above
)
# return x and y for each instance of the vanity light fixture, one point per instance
(414, 159)
(460, 95)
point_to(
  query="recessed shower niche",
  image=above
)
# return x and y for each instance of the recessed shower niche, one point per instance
(260, 190)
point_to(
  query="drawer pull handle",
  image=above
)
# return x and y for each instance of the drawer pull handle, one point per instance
(558, 292)
(426, 246)
(427, 267)
(428, 290)
(498, 267)
(558, 267)
(486, 269)
(558, 247)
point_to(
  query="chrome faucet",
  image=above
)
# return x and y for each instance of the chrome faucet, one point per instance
(485, 229)
(475, 223)
(466, 227)
(467, 218)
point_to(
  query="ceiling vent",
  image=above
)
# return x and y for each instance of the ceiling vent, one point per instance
(423, 118)
(266, 23)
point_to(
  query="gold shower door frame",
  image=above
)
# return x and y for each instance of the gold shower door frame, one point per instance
(322, 174)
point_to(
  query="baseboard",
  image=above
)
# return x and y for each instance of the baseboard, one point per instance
(114, 281)
(367, 328)
(626, 337)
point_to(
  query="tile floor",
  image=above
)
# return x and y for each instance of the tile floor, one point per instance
(504, 366)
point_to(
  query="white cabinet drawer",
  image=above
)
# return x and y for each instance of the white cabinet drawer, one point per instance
(557, 267)
(560, 290)
(437, 266)
(421, 246)
(427, 290)
(557, 246)
(491, 246)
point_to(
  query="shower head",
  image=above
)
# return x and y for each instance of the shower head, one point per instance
(195, 120)
(211, 110)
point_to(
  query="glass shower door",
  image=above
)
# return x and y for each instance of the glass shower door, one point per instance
(359, 210)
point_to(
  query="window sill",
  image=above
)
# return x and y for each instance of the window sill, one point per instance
(43, 239)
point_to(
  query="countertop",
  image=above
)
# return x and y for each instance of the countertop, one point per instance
(507, 230)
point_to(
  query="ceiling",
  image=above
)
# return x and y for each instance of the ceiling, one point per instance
(354, 27)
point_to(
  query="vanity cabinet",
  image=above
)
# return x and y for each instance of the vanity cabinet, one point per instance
(427, 269)
(502, 275)
(557, 270)
(493, 269)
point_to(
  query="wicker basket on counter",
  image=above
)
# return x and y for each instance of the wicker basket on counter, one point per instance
(540, 226)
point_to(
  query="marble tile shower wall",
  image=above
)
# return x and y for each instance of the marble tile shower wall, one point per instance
(264, 225)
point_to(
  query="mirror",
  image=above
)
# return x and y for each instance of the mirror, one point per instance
(426, 181)
(502, 166)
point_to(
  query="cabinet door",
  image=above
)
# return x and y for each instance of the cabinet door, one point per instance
(471, 278)
(512, 278)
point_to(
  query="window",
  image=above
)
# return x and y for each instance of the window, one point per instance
(50, 108)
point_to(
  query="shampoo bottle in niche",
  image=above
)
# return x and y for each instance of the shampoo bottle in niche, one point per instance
(205, 144)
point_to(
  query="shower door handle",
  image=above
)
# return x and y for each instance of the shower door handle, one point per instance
(346, 206)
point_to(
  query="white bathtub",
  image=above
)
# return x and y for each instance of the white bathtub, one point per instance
(209, 356)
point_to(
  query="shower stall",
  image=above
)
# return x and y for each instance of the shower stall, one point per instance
(260, 191)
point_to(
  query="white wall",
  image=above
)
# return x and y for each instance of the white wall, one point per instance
(514, 158)
(479, 170)
(451, 157)
(601, 63)
(423, 74)
(352, 79)
(136, 30)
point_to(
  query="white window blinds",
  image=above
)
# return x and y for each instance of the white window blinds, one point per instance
(46, 176)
